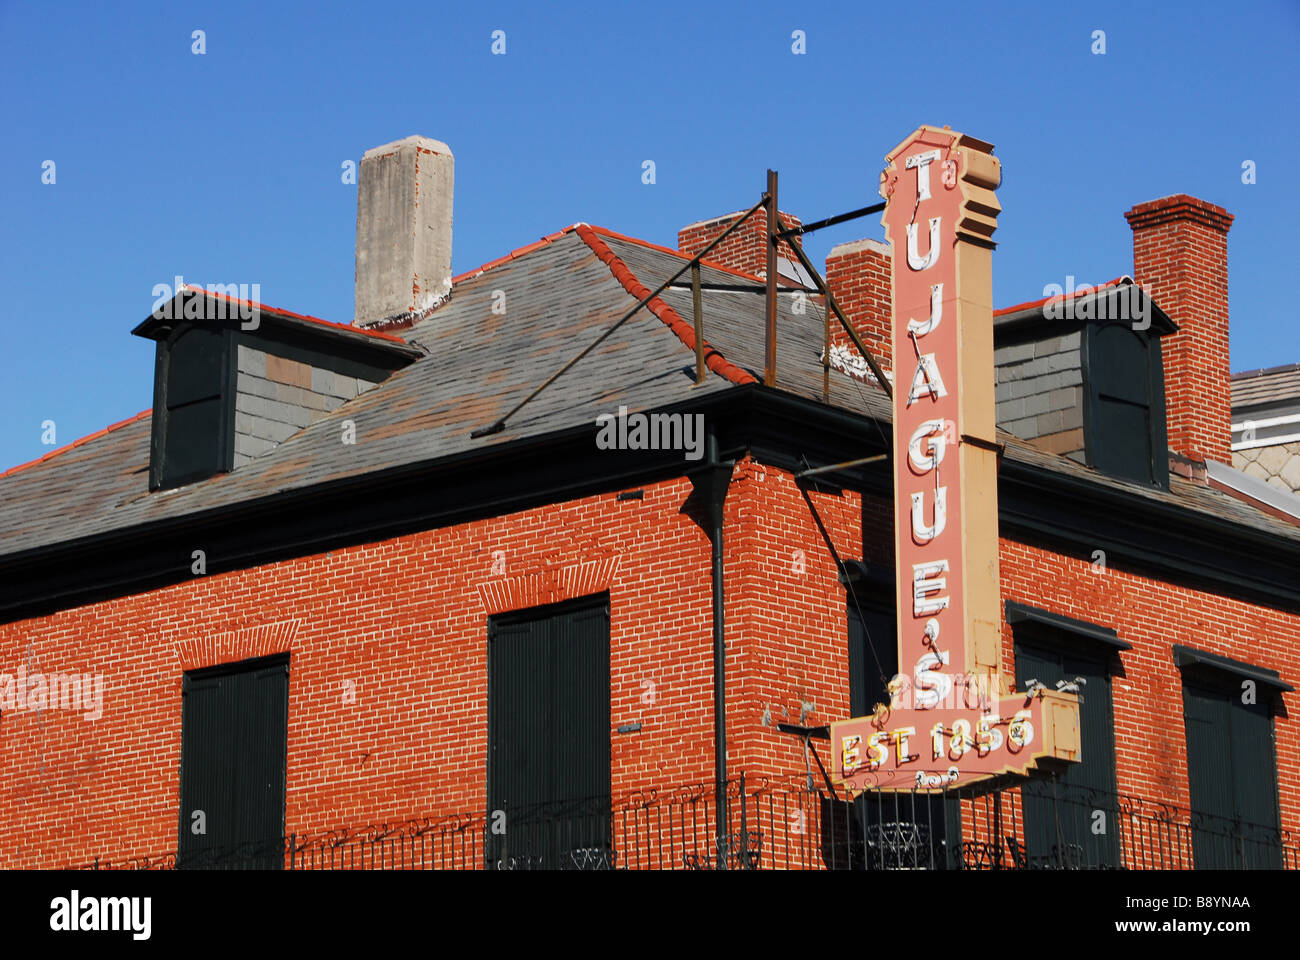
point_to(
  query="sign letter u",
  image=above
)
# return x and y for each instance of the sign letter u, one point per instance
(915, 260)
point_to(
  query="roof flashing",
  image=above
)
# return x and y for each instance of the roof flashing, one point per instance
(1243, 486)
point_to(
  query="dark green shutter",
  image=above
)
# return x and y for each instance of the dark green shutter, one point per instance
(870, 625)
(234, 740)
(549, 736)
(195, 427)
(886, 830)
(1232, 777)
(1123, 382)
(1074, 821)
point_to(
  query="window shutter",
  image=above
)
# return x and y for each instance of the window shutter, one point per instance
(194, 428)
(1074, 821)
(870, 625)
(234, 740)
(549, 736)
(1125, 400)
(1232, 777)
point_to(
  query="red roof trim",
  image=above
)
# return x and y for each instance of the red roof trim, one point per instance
(512, 255)
(344, 327)
(685, 332)
(76, 443)
(676, 253)
(1038, 303)
(601, 231)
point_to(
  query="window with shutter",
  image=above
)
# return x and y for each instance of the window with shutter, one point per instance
(234, 745)
(1231, 770)
(549, 737)
(1073, 819)
(889, 830)
(193, 431)
(1124, 409)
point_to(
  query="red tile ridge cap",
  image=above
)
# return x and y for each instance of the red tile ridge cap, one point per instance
(513, 255)
(76, 443)
(685, 332)
(604, 232)
(299, 316)
(1061, 296)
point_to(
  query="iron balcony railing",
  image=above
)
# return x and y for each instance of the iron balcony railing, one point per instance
(767, 825)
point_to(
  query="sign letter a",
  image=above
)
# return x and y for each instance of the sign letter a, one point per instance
(926, 381)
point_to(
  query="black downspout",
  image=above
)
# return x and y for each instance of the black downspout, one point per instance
(715, 480)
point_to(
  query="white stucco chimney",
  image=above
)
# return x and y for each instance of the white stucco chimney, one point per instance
(404, 196)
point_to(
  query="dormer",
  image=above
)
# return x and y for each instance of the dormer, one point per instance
(1082, 376)
(234, 378)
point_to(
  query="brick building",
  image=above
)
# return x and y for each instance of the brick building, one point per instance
(336, 599)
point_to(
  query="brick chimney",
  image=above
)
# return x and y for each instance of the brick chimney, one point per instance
(1180, 254)
(745, 250)
(858, 276)
(404, 196)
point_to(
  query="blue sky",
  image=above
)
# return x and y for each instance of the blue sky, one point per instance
(226, 167)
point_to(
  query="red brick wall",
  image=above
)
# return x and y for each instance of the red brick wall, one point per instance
(1151, 758)
(405, 621)
(745, 250)
(1152, 615)
(1180, 253)
(790, 628)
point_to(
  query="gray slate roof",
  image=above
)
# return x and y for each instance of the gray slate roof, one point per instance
(559, 298)
(1273, 385)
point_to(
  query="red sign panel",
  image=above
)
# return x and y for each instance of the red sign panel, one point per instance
(951, 717)
(922, 214)
(933, 749)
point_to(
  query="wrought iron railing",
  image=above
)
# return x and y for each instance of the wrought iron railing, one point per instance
(771, 825)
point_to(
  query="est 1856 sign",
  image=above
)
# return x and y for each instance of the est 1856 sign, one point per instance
(952, 717)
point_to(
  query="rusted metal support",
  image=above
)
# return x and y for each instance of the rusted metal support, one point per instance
(773, 225)
(848, 328)
(830, 221)
(697, 303)
(831, 468)
(737, 287)
(826, 356)
(998, 448)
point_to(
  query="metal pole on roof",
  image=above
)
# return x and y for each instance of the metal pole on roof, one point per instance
(826, 356)
(773, 225)
(699, 323)
(833, 467)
